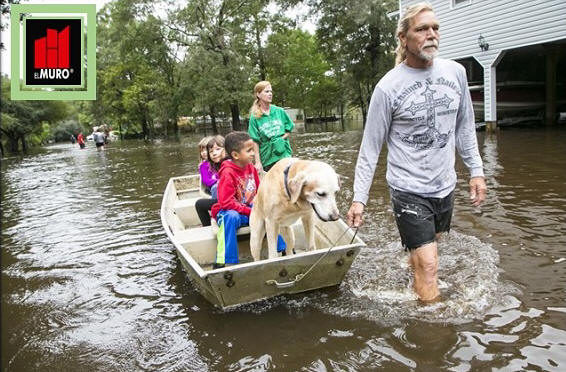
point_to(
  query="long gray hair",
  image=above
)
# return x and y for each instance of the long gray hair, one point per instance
(404, 25)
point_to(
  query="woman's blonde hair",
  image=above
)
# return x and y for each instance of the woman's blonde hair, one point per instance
(255, 110)
(403, 27)
(202, 145)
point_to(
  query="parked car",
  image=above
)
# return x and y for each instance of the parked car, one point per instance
(112, 136)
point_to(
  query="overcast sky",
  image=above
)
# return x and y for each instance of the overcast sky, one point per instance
(5, 65)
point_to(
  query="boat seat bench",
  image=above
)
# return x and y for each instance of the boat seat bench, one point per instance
(186, 211)
(196, 234)
(201, 241)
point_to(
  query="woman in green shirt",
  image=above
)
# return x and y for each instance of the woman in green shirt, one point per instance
(269, 127)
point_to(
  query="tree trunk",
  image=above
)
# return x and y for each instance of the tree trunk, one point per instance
(24, 144)
(341, 113)
(14, 141)
(235, 109)
(362, 105)
(176, 128)
(260, 59)
(213, 118)
(151, 128)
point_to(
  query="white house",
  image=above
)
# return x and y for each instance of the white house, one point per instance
(487, 30)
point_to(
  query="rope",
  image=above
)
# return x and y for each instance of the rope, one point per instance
(300, 276)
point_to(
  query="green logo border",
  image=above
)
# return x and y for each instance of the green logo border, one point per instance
(60, 95)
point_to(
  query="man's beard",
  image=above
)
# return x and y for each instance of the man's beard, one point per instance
(427, 53)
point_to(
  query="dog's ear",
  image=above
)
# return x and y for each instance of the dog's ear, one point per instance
(296, 184)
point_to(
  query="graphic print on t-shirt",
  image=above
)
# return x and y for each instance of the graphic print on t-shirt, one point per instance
(424, 113)
(246, 189)
(271, 128)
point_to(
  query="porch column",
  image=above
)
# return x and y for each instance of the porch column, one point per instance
(489, 61)
(551, 61)
(490, 97)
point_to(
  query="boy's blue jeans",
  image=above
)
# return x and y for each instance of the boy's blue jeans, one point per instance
(229, 221)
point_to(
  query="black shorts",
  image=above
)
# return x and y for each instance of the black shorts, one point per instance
(419, 219)
(99, 144)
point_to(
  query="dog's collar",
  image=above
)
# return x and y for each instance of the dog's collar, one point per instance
(286, 178)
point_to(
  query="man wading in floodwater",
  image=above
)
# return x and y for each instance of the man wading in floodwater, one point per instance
(423, 109)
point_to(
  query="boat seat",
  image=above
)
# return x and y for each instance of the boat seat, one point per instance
(201, 242)
(185, 207)
(241, 231)
(186, 211)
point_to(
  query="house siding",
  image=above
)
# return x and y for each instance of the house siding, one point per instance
(505, 25)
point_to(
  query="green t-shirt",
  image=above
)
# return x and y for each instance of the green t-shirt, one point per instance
(267, 130)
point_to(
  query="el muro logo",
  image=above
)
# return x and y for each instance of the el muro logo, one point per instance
(53, 52)
(48, 51)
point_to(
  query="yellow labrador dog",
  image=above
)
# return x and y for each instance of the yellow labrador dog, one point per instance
(292, 189)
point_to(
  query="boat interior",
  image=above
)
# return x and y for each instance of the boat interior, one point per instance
(200, 241)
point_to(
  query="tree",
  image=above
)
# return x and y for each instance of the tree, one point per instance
(5, 11)
(216, 31)
(359, 38)
(27, 122)
(296, 69)
(138, 75)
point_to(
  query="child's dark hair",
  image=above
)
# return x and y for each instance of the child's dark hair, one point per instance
(217, 140)
(235, 142)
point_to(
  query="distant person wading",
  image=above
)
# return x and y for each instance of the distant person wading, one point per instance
(99, 139)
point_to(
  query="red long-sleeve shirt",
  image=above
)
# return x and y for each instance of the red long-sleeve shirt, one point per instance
(237, 188)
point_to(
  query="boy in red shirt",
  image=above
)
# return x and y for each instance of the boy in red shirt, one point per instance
(81, 140)
(237, 188)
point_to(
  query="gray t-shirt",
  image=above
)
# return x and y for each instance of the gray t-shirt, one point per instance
(423, 114)
(98, 137)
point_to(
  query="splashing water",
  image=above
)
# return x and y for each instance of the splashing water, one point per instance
(378, 287)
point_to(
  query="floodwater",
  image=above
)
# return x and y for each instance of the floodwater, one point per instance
(90, 281)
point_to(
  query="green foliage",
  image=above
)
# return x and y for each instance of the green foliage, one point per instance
(63, 131)
(220, 53)
(5, 13)
(28, 122)
(205, 56)
(296, 69)
(358, 41)
(138, 76)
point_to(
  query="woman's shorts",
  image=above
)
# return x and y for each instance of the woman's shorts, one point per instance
(99, 144)
(419, 219)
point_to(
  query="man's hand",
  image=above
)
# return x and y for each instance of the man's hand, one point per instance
(478, 190)
(355, 214)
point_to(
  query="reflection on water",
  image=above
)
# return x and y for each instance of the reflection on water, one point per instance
(89, 280)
